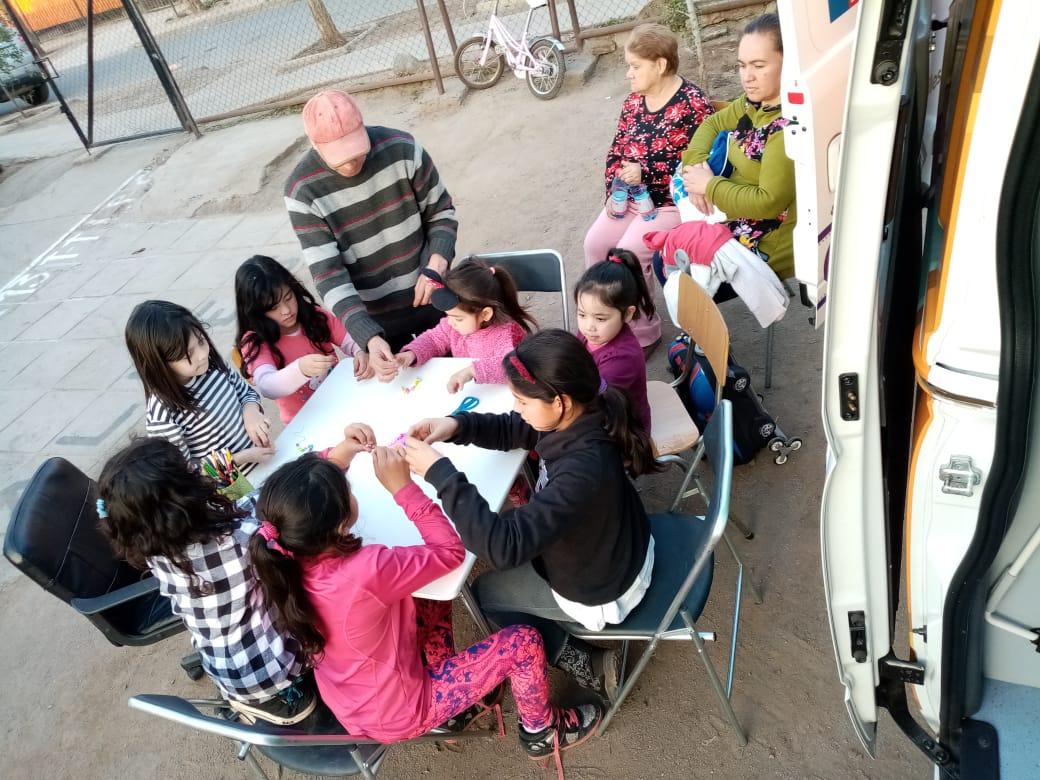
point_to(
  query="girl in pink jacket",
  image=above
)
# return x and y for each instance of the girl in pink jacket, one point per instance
(385, 662)
(483, 320)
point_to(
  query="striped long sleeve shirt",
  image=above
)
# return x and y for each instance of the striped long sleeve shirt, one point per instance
(366, 237)
(217, 424)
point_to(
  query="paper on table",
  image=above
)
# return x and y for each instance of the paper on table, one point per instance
(341, 400)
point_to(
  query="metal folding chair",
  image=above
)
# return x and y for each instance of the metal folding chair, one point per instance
(672, 430)
(317, 746)
(684, 561)
(534, 270)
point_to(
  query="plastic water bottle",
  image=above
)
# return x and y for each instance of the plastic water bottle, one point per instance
(617, 203)
(644, 205)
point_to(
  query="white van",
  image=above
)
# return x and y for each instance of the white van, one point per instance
(916, 138)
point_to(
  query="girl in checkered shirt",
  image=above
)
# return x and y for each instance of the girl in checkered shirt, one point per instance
(161, 515)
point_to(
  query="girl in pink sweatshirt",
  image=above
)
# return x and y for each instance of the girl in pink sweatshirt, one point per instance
(483, 320)
(385, 662)
(286, 340)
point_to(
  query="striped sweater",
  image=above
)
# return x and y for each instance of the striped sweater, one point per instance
(217, 425)
(366, 237)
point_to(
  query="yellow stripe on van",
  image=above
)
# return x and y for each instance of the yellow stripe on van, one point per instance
(980, 42)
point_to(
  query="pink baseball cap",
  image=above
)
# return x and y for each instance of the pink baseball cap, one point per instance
(333, 123)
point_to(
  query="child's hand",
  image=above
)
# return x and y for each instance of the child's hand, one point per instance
(459, 379)
(434, 429)
(420, 455)
(391, 469)
(357, 437)
(362, 436)
(253, 455)
(405, 359)
(363, 366)
(316, 365)
(258, 427)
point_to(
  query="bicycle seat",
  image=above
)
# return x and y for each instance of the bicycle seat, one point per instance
(537, 3)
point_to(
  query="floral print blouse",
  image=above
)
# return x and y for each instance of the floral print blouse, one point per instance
(657, 139)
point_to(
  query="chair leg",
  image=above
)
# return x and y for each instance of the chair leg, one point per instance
(769, 357)
(630, 681)
(246, 754)
(362, 765)
(682, 488)
(756, 592)
(624, 661)
(474, 610)
(746, 532)
(713, 678)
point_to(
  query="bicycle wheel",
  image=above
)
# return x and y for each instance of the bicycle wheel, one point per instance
(548, 81)
(468, 67)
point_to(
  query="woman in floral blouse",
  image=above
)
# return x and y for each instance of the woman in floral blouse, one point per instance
(657, 121)
(758, 196)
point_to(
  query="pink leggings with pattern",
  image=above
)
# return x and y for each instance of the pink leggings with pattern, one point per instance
(460, 680)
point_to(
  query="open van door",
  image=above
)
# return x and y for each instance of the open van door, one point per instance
(861, 178)
(818, 44)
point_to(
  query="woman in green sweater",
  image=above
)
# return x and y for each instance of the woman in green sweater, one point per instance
(758, 196)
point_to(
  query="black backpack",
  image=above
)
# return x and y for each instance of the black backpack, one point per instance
(753, 427)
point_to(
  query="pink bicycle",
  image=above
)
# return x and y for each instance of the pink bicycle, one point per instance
(481, 60)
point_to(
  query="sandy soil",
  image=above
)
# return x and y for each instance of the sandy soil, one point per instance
(525, 174)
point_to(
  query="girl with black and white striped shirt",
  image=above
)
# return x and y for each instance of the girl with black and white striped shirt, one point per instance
(192, 398)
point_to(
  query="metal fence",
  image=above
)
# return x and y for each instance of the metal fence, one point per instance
(123, 65)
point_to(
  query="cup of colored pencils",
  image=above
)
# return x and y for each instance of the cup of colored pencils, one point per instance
(221, 467)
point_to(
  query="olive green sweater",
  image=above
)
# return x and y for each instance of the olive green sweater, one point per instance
(759, 195)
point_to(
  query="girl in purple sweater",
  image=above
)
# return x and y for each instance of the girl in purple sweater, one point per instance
(483, 320)
(608, 295)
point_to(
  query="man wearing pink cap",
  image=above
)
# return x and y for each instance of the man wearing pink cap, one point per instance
(371, 214)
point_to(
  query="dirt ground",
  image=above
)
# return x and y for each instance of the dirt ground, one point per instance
(525, 174)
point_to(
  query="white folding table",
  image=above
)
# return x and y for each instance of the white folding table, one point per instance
(390, 409)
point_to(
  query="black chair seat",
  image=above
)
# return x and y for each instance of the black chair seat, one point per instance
(333, 761)
(677, 538)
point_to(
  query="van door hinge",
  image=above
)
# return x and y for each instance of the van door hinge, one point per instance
(894, 673)
(959, 476)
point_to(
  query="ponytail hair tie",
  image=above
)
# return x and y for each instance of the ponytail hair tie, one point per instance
(521, 369)
(270, 535)
(612, 258)
(491, 268)
(102, 509)
(603, 386)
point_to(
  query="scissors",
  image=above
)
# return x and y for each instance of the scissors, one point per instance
(469, 403)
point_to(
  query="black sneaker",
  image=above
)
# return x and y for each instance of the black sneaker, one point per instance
(593, 668)
(291, 705)
(573, 726)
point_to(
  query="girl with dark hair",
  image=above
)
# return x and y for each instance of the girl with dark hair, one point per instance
(607, 296)
(162, 516)
(385, 662)
(581, 550)
(483, 320)
(191, 397)
(285, 338)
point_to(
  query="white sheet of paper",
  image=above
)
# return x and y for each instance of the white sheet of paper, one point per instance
(390, 409)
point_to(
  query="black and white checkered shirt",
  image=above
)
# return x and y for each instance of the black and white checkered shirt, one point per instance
(231, 627)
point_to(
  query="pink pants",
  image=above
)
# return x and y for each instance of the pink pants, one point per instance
(627, 233)
(460, 680)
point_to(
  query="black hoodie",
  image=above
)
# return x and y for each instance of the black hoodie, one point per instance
(585, 531)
